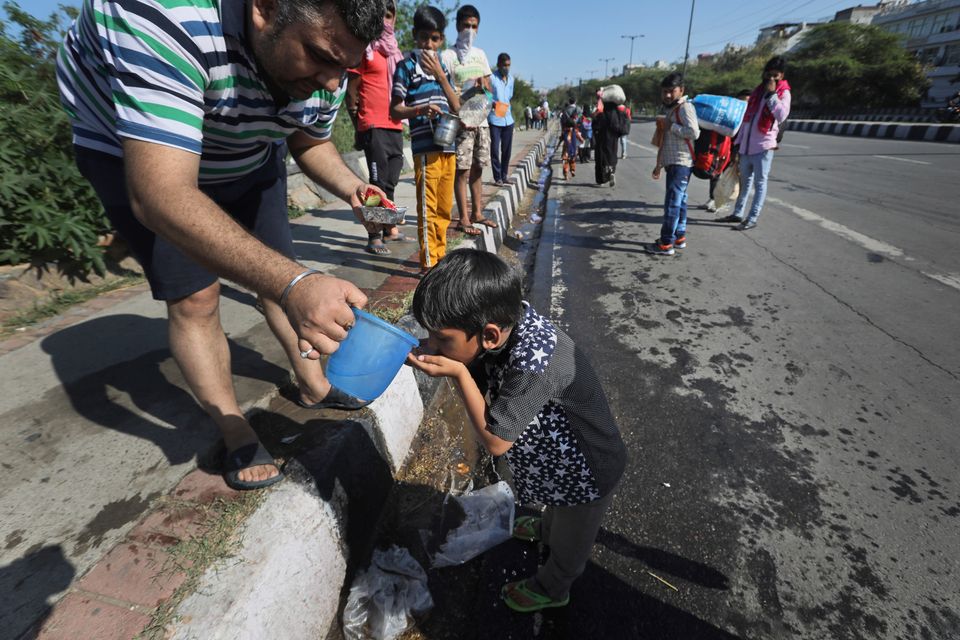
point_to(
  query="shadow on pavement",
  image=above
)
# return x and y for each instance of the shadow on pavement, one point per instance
(147, 380)
(27, 583)
(673, 564)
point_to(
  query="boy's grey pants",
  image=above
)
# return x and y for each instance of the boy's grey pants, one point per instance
(570, 533)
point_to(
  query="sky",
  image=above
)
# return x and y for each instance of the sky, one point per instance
(553, 42)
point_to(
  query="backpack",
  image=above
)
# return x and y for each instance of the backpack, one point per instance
(711, 154)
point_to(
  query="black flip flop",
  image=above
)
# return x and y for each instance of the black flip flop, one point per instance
(251, 455)
(336, 399)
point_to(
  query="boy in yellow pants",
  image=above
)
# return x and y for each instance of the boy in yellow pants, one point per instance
(422, 90)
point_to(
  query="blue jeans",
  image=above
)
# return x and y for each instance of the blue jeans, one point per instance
(754, 170)
(675, 204)
(501, 147)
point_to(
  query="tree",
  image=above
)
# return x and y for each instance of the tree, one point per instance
(840, 66)
(49, 215)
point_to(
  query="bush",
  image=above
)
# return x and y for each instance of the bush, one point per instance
(50, 215)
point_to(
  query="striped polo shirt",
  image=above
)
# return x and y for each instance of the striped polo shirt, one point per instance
(179, 73)
(418, 89)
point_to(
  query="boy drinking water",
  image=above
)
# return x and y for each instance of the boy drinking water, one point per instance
(532, 396)
(421, 92)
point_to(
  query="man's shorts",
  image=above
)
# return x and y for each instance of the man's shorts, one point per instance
(473, 147)
(258, 201)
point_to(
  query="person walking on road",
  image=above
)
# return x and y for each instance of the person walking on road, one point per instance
(471, 72)
(182, 116)
(379, 136)
(623, 139)
(527, 117)
(767, 108)
(679, 129)
(501, 120)
(547, 413)
(608, 126)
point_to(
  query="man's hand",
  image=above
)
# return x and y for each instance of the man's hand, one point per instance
(435, 366)
(357, 198)
(656, 173)
(430, 62)
(319, 309)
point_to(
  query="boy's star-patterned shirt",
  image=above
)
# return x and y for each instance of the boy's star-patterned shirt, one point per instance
(545, 398)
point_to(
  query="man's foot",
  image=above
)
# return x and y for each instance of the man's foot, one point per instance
(487, 222)
(397, 236)
(680, 243)
(250, 467)
(745, 225)
(245, 462)
(711, 206)
(613, 180)
(731, 218)
(469, 229)
(659, 249)
(375, 245)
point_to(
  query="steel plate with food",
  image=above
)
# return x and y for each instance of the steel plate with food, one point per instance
(378, 209)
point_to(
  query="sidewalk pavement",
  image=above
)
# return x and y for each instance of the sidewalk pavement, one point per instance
(97, 428)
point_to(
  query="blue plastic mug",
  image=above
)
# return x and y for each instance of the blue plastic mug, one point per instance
(369, 357)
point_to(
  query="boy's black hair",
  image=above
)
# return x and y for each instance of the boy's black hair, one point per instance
(672, 81)
(503, 57)
(466, 290)
(776, 63)
(467, 11)
(428, 18)
(744, 92)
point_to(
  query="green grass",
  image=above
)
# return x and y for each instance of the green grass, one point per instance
(222, 521)
(63, 301)
(392, 308)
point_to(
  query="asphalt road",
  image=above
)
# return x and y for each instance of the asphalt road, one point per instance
(789, 396)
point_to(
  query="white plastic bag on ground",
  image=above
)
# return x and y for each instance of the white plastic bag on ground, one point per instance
(488, 521)
(384, 596)
(728, 186)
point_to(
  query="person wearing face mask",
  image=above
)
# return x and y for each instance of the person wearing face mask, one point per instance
(767, 108)
(379, 136)
(471, 73)
(182, 116)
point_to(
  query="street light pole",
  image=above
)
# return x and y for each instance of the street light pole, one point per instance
(606, 65)
(686, 55)
(632, 38)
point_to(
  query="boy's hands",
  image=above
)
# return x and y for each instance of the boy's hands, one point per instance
(430, 62)
(435, 366)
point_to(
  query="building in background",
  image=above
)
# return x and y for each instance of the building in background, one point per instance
(931, 31)
(785, 36)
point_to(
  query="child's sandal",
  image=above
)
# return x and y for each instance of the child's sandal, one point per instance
(527, 528)
(520, 597)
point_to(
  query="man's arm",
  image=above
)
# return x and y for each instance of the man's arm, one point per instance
(162, 185)
(689, 127)
(779, 107)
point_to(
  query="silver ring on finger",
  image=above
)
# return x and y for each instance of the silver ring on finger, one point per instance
(306, 354)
